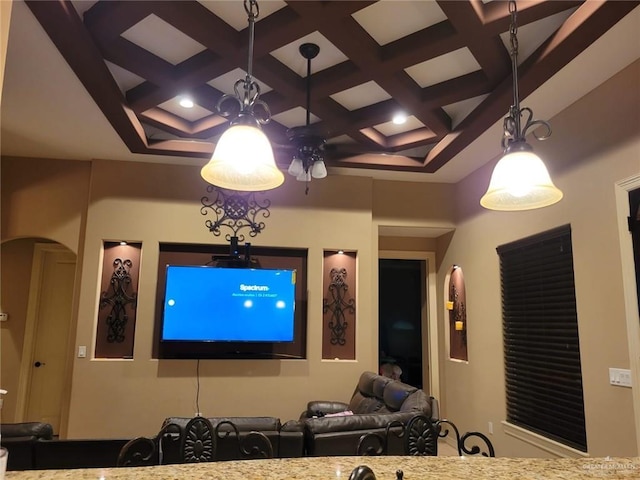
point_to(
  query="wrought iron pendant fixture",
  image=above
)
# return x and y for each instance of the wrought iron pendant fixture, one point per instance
(520, 180)
(243, 158)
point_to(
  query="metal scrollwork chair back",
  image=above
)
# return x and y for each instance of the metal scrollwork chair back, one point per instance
(143, 451)
(461, 441)
(252, 445)
(373, 444)
(421, 437)
(198, 442)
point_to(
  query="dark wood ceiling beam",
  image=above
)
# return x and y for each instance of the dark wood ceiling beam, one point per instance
(181, 16)
(456, 90)
(168, 122)
(232, 49)
(108, 20)
(148, 94)
(206, 97)
(496, 17)
(584, 27)
(408, 94)
(231, 53)
(180, 148)
(412, 139)
(200, 24)
(65, 28)
(398, 163)
(358, 45)
(336, 79)
(421, 46)
(196, 70)
(298, 19)
(137, 60)
(488, 50)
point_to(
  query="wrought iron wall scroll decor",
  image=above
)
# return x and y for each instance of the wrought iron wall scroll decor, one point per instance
(118, 297)
(235, 211)
(338, 306)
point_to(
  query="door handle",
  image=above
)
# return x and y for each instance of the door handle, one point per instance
(38, 364)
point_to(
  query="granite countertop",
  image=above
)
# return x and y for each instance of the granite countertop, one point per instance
(326, 468)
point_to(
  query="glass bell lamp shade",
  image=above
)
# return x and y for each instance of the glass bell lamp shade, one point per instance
(296, 167)
(243, 161)
(319, 169)
(520, 181)
(304, 176)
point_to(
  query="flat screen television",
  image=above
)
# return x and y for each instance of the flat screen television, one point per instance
(219, 312)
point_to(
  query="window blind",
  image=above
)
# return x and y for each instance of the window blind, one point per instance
(541, 344)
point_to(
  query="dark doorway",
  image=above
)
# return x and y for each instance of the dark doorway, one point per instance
(400, 309)
(634, 226)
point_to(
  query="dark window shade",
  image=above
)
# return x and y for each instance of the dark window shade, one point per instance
(541, 344)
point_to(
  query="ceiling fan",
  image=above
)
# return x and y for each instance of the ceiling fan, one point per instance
(307, 145)
(307, 142)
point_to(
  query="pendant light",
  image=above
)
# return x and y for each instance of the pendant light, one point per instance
(243, 158)
(520, 180)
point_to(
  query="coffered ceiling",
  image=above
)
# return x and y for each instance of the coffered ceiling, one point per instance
(115, 71)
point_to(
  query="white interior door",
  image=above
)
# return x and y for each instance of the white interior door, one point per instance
(51, 305)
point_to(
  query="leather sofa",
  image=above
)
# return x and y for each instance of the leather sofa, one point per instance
(19, 439)
(32, 446)
(336, 428)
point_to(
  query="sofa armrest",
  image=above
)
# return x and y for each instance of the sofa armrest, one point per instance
(319, 408)
(291, 439)
(26, 430)
(355, 422)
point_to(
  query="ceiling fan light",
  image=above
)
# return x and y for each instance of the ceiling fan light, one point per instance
(243, 161)
(295, 167)
(319, 169)
(304, 176)
(520, 181)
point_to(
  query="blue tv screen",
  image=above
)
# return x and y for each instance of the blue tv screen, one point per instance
(218, 304)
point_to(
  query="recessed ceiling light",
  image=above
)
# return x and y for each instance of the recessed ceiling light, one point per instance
(400, 118)
(186, 103)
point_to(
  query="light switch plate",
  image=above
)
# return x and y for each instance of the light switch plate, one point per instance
(82, 351)
(620, 377)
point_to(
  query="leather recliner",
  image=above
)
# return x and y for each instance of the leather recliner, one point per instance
(377, 402)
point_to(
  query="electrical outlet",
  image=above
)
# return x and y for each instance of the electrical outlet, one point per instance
(620, 377)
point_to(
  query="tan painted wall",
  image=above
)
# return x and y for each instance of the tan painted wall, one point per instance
(161, 203)
(586, 157)
(44, 199)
